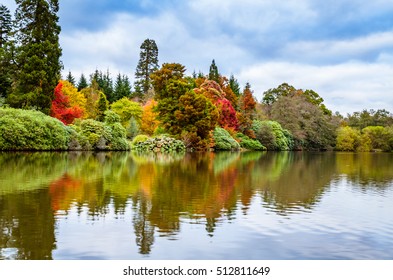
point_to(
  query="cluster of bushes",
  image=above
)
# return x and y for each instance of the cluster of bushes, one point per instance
(271, 135)
(164, 144)
(224, 141)
(33, 130)
(371, 138)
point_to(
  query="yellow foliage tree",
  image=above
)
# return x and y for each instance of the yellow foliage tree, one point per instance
(75, 97)
(149, 122)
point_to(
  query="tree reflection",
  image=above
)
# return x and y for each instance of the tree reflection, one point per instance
(163, 190)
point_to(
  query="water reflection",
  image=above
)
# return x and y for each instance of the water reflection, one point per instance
(163, 191)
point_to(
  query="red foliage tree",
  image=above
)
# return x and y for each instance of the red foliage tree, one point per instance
(61, 108)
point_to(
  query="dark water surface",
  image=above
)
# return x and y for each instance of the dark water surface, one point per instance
(248, 205)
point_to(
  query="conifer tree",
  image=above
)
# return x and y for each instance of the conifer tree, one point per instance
(82, 82)
(122, 87)
(234, 85)
(70, 78)
(5, 24)
(38, 54)
(5, 59)
(213, 72)
(148, 63)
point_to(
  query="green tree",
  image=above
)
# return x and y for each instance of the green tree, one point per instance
(104, 83)
(148, 63)
(127, 109)
(234, 85)
(122, 87)
(82, 82)
(5, 24)
(6, 67)
(348, 139)
(213, 72)
(38, 54)
(70, 78)
(102, 106)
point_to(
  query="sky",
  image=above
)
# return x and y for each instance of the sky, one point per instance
(343, 49)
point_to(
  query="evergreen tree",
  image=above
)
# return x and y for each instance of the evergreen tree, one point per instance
(234, 85)
(82, 83)
(104, 82)
(148, 63)
(38, 54)
(70, 78)
(5, 24)
(213, 72)
(122, 87)
(5, 58)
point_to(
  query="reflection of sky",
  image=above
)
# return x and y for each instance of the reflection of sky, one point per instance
(346, 223)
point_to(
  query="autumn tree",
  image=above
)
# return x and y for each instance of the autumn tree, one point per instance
(169, 85)
(61, 108)
(104, 83)
(196, 116)
(149, 121)
(247, 105)
(227, 114)
(148, 63)
(75, 98)
(38, 54)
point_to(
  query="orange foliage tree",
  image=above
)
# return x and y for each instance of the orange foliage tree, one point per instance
(149, 121)
(61, 108)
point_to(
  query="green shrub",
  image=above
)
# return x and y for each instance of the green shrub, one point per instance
(223, 140)
(158, 144)
(272, 135)
(139, 139)
(249, 144)
(31, 130)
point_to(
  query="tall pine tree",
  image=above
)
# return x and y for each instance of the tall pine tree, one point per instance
(5, 51)
(82, 82)
(122, 87)
(38, 54)
(148, 63)
(213, 72)
(70, 78)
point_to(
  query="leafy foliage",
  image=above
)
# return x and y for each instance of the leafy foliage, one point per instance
(38, 54)
(31, 130)
(149, 122)
(272, 135)
(61, 108)
(162, 144)
(348, 139)
(223, 140)
(127, 109)
(248, 143)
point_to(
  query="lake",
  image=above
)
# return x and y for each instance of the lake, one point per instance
(240, 205)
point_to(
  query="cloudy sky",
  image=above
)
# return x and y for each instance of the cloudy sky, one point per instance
(341, 49)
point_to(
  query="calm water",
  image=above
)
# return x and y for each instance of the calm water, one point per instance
(247, 205)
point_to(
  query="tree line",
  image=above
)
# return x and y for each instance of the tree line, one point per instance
(202, 110)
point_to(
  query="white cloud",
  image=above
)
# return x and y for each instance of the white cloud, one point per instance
(330, 50)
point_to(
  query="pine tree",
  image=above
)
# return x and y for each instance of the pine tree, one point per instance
(6, 69)
(148, 63)
(70, 78)
(82, 83)
(122, 87)
(38, 54)
(213, 72)
(234, 85)
(5, 24)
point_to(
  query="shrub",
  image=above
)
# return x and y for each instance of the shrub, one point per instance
(31, 130)
(139, 139)
(272, 135)
(223, 140)
(158, 144)
(248, 143)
